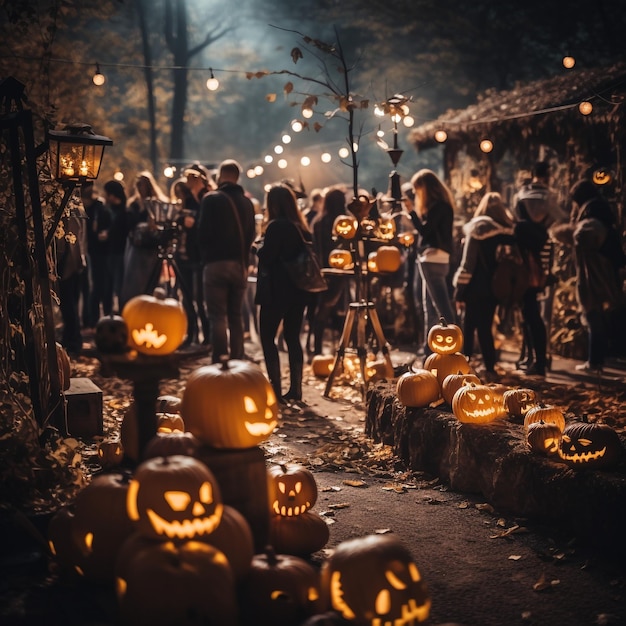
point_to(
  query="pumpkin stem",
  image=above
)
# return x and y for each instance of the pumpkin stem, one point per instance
(442, 321)
(224, 361)
(586, 418)
(159, 293)
(270, 555)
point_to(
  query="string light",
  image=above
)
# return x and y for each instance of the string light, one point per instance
(212, 84)
(268, 158)
(278, 149)
(569, 62)
(408, 121)
(343, 152)
(282, 164)
(98, 78)
(326, 157)
(258, 170)
(286, 138)
(308, 113)
(486, 145)
(296, 126)
(441, 136)
(585, 107)
(118, 176)
(305, 161)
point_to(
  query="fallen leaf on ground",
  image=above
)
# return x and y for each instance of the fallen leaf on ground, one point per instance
(515, 557)
(485, 507)
(355, 483)
(382, 531)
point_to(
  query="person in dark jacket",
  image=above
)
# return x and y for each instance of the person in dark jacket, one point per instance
(225, 233)
(433, 217)
(115, 197)
(277, 296)
(599, 257)
(490, 227)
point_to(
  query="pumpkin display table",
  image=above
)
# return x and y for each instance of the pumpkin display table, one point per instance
(145, 372)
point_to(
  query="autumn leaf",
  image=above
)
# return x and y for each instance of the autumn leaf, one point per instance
(355, 483)
(296, 54)
(288, 88)
(309, 102)
(271, 97)
(317, 127)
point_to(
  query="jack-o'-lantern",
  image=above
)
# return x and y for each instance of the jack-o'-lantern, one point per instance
(100, 524)
(111, 335)
(374, 580)
(168, 404)
(473, 404)
(291, 489)
(388, 259)
(372, 262)
(386, 228)
(322, 365)
(545, 413)
(498, 390)
(279, 589)
(602, 176)
(340, 259)
(378, 369)
(63, 549)
(229, 405)
(442, 365)
(543, 438)
(345, 226)
(417, 388)
(453, 382)
(519, 401)
(169, 423)
(406, 239)
(183, 584)
(110, 453)
(445, 338)
(175, 497)
(64, 367)
(590, 446)
(156, 324)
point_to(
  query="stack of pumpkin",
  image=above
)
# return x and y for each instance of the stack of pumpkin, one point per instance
(446, 376)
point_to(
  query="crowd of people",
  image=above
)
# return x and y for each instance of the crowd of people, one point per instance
(222, 253)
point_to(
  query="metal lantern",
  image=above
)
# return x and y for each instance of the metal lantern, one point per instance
(76, 153)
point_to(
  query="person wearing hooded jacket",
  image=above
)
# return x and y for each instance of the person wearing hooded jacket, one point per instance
(490, 227)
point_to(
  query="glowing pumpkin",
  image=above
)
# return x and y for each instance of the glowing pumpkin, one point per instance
(345, 226)
(473, 404)
(175, 497)
(374, 580)
(545, 413)
(388, 259)
(372, 262)
(156, 324)
(292, 490)
(322, 365)
(110, 453)
(519, 401)
(591, 446)
(169, 423)
(444, 338)
(453, 382)
(229, 405)
(64, 367)
(406, 239)
(543, 438)
(442, 365)
(417, 389)
(340, 259)
(386, 228)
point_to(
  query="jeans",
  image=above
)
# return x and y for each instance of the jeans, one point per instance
(597, 326)
(435, 296)
(225, 285)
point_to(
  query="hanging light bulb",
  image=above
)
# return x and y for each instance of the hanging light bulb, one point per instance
(408, 121)
(251, 173)
(286, 138)
(268, 158)
(308, 113)
(569, 62)
(305, 161)
(118, 176)
(278, 149)
(282, 164)
(441, 136)
(296, 126)
(326, 157)
(585, 107)
(343, 152)
(98, 78)
(212, 84)
(258, 170)
(486, 145)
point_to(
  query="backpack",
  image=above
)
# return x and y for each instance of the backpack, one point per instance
(510, 277)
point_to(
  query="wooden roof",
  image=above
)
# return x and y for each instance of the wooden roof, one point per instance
(544, 111)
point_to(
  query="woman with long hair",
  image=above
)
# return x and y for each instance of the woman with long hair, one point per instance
(284, 232)
(433, 218)
(490, 227)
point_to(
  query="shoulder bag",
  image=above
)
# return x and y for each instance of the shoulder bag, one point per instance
(304, 269)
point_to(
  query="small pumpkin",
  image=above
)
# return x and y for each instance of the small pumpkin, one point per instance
(291, 489)
(474, 404)
(518, 401)
(156, 324)
(345, 226)
(175, 497)
(543, 438)
(442, 365)
(452, 382)
(111, 335)
(322, 365)
(417, 388)
(110, 453)
(340, 259)
(279, 589)
(388, 258)
(229, 405)
(64, 367)
(545, 413)
(445, 338)
(590, 445)
(168, 404)
(378, 369)
(374, 580)
(386, 228)
(498, 390)
(170, 423)
(372, 262)
(300, 535)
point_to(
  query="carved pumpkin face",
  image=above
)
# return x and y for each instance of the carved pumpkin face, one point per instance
(591, 446)
(453, 382)
(175, 497)
(231, 405)
(280, 589)
(110, 453)
(386, 228)
(544, 438)
(111, 335)
(340, 259)
(156, 325)
(170, 423)
(345, 226)
(519, 401)
(406, 239)
(444, 338)
(474, 404)
(292, 490)
(373, 580)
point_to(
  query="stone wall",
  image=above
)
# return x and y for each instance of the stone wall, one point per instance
(494, 461)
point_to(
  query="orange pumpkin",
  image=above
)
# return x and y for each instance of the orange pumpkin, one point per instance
(156, 324)
(453, 382)
(417, 389)
(64, 367)
(291, 489)
(473, 404)
(544, 438)
(340, 259)
(519, 401)
(388, 259)
(442, 365)
(545, 413)
(322, 365)
(345, 226)
(444, 338)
